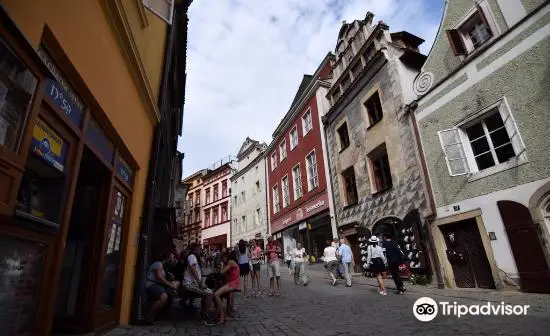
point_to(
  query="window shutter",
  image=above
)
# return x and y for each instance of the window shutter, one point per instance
(454, 152)
(483, 18)
(457, 44)
(512, 129)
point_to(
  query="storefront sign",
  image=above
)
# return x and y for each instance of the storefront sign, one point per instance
(62, 100)
(313, 207)
(123, 171)
(217, 240)
(98, 140)
(47, 144)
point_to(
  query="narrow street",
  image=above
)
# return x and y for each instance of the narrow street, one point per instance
(320, 309)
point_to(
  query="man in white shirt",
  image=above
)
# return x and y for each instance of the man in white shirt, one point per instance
(300, 259)
(192, 279)
(331, 262)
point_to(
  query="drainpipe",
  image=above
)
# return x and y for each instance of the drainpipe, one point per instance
(324, 122)
(409, 109)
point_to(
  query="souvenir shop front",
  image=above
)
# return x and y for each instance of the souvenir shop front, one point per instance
(215, 243)
(66, 185)
(309, 225)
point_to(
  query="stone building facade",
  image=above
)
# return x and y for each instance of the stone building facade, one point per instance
(483, 118)
(248, 194)
(376, 172)
(189, 208)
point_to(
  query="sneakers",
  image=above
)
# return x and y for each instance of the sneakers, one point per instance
(383, 293)
(334, 282)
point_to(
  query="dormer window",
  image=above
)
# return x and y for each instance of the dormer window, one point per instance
(470, 35)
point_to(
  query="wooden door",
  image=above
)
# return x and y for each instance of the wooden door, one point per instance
(526, 247)
(467, 255)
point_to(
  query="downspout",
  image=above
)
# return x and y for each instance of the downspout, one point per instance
(144, 245)
(439, 275)
(325, 122)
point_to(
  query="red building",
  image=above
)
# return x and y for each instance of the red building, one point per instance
(299, 198)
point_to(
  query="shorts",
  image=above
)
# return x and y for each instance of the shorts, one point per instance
(256, 267)
(244, 269)
(288, 262)
(331, 266)
(273, 270)
(195, 288)
(154, 291)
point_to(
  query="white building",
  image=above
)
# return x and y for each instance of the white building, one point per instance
(248, 193)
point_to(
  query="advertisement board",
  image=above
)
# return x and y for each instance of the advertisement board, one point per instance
(48, 145)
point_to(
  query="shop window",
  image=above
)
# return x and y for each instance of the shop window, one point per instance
(42, 188)
(17, 87)
(374, 109)
(112, 252)
(350, 186)
(380, 169)
(343, 136)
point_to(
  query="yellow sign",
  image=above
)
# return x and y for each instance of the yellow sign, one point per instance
(48, 145)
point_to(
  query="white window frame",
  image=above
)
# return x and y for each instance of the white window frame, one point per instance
(282, 150)
(297, 181)
(286, 193)
(293, 144)
(273, 160)
(257, 215)
(461, 25)
(462, 142)
(171, 3)
(305, 124)
(312, 181)
(276, 203)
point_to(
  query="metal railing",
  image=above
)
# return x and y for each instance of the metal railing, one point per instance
(222, 161)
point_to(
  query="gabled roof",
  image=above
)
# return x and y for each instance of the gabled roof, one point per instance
(247, 144)
(303, 85)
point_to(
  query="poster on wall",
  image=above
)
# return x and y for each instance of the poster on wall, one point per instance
(48, 145)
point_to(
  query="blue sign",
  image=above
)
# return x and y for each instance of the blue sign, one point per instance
(64, 101)
(124, 172)
(98, 140)
(47, 144)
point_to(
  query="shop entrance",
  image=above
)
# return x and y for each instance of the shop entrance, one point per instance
(74, 306)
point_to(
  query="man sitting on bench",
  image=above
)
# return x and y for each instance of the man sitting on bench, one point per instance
(192, 281)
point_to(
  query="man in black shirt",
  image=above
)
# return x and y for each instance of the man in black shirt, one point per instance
(395, 257)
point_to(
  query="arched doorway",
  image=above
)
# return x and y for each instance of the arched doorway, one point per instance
(526, 246)
(390, 225)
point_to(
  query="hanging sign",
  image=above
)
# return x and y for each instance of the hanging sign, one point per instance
(48, 145)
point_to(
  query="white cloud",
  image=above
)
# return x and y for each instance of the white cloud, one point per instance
(246, 59)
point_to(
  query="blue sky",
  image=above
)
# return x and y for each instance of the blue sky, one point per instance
(246, 59)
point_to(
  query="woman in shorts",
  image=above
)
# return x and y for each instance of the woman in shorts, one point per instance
(244, 265)
(331, 262)
(256, 262)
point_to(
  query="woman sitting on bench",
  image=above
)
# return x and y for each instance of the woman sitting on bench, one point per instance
(232, 281)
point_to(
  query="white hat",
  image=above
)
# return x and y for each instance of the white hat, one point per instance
(374, 239)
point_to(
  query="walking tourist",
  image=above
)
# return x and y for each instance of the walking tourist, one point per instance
(231, 270)
(395, 257)
(244, 265)
(192, 280)
(346, 256)
(158, 288)
(255, 261)
(377, 262)
(331, 262)
(273, 267)
(288, 260)
(300, 259)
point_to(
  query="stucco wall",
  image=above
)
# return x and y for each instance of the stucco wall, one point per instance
(525, 82)
(254, 200)
(87, 39)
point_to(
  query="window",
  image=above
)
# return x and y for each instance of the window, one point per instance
(343, 136)
(191, 200)
(216, 195)
(284, 184)
(257, 217)
(294, 138)
(276, 199)
(356, 70)
(297, 181)
(162, 8)
(380, 169)
(243, 223)
(307, 123)
(235, 225)
(243, 197)
(207, 195)
(485, 142)
(215, 216)
(282, 150)
(311, 164)
(197, 216)
(207, 218)
(17, 86)
(335, 96)
(470, 35)
(224, 188)
(346, 82)
(235, 199)
(257, 170)
(258, 189)
(273, 161)
(374, 109)
(224, 213)
(369, 53)
(198, 198)
(348, 176)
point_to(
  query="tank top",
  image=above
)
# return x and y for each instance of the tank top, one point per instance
(243, 258)
(232, 274)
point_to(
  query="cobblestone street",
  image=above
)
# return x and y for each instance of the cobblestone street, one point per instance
(320, 309)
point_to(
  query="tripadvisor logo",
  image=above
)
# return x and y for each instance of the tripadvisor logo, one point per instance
(426, 309)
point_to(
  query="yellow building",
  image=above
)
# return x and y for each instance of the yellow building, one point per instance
(79, 88)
